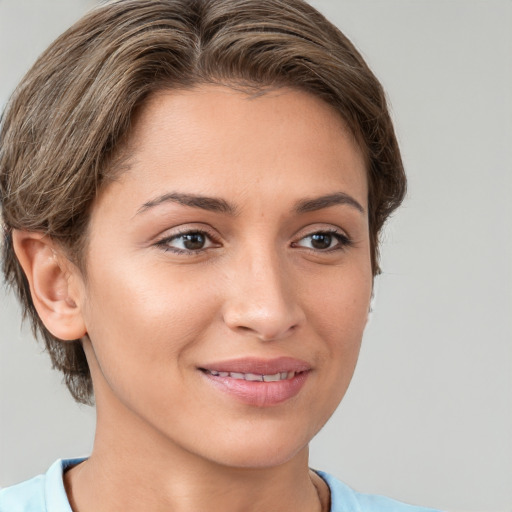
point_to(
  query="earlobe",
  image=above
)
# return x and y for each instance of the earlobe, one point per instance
(53, 284)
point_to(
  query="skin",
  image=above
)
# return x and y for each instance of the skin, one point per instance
(259, 287)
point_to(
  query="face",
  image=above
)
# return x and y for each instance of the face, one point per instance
(228, 275)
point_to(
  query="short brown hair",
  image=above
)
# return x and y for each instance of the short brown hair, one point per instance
(74, 107)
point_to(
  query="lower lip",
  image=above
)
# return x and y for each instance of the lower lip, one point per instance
(257, 393)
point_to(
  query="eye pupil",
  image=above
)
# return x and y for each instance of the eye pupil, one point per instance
(321, 240)
(194, 241)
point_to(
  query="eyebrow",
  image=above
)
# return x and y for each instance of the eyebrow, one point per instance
(217, 205)
(211, 204)
(317, 203)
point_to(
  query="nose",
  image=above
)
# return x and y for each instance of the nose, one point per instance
(262, 300)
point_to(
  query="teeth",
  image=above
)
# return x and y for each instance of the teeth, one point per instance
(254, 377)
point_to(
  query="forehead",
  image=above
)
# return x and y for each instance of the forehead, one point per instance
(217, 140)
(211, 107)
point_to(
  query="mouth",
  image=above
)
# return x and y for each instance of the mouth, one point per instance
(254, 377)
(258, 382)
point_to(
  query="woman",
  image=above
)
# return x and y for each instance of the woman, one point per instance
(192, 194)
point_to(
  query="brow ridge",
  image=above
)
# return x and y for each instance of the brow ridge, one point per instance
(212, 204)
(318, 203)
(222, 206)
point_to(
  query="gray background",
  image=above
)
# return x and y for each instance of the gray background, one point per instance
(428, 418)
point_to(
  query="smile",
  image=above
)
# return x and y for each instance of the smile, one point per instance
(253, 377)
(258, 382)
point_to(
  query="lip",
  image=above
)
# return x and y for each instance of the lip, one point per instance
(259, 365)
(257, 393)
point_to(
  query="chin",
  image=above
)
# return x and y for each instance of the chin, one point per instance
(259, 449)
(261, 457)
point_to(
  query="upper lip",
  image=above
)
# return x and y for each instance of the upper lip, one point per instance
(259, 366)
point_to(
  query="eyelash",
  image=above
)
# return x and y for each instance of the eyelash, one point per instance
(344, 242)
(164, 243)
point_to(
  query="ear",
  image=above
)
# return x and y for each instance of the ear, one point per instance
(373, 299)
(55, 284)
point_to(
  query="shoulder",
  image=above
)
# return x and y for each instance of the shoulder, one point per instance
(25, 497)
(345, 499)
(44, 493)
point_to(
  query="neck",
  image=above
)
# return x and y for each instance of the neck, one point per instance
(133, 469)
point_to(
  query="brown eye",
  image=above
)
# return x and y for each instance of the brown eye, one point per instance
(188, 242)
(194, 241)
(321, 240)
(324, 241)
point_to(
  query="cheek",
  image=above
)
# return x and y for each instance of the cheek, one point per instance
(338, 313)
(337, 310)
(144, 315)
(338, 305)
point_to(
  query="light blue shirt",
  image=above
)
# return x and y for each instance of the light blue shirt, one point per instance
(46, 493)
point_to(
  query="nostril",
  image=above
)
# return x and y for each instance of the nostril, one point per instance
(268, 312)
